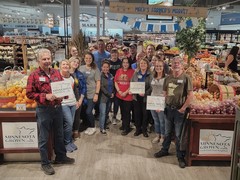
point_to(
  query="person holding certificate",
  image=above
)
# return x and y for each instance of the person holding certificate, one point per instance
(157, 90)
(178, 91)
(92, 75)
(48, 112)
(122, 83)
(142, 74)
(69, 106)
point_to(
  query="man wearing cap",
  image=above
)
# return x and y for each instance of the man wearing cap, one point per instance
(132, 53)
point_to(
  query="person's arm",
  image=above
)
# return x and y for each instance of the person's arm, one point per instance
(104, 88)
(228, 61)
(187, 102)
(95, 97)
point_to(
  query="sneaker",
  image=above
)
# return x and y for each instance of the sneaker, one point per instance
(156, 140)
(103, 132)
(181, 162)
(74, 147)
(160, 154)
(87, 131)
(65, 160)
(114, 121)
(48, 169)
(69, 148)
(91, 131)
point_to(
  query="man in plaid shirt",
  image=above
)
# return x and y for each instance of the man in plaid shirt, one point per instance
(49, 111)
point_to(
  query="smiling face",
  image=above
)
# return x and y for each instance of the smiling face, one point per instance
(75, 64)
(143, 65)
(159, 66)
(65, 66)
(74, 51)
(88, 59)
(45, 60)
(177, 64)
(105, 68)
(125, 64)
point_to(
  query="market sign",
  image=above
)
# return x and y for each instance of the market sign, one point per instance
(20, 135)
(215, 141)
(136, 8)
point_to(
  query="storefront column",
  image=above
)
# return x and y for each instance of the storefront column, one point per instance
(75, 17)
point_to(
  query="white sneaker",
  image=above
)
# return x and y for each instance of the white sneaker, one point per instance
(156, 140)
(87, 131)
(91, 131)
(114, 121)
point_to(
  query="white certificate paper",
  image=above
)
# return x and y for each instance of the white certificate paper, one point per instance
(137, 87)
(155, 103)
(61, 88)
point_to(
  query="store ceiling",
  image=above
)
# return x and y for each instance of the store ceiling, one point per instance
(199, 3)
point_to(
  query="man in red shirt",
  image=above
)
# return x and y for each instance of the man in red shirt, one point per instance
(49, 111)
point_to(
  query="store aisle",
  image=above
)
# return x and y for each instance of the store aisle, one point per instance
(116, 157)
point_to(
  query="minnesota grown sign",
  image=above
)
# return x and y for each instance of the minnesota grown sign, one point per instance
(134, 8)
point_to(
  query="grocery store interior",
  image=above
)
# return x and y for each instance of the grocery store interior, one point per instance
(202, 32)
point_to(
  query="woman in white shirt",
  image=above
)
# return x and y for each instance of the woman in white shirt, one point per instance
(69, 106)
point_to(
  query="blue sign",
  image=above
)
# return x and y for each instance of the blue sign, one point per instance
(230, 18)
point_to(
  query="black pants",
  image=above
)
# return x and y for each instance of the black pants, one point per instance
(140, 114)
(77, 120)
(125, 107)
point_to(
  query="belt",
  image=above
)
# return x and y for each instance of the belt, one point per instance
(51, 106)
(172, 106)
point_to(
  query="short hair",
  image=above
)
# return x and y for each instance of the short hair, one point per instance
(178, 58)
(105, 61)
(43, 51)
(65, 60)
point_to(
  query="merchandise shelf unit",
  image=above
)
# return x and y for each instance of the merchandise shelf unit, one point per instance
(203, 121)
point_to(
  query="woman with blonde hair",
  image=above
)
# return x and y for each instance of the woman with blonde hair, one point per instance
(69, 106)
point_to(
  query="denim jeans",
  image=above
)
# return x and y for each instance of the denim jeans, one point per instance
(89, 112)
(159, 121)
(68, 119)
(104, 110)
(50, 119)
(173, 122)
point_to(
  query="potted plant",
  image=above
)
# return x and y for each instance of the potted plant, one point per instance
(190, 39)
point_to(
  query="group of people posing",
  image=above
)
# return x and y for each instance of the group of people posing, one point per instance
(101, 80)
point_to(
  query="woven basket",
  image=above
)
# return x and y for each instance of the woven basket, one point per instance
(225, 92)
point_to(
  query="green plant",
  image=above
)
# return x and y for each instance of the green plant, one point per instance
(190, 39)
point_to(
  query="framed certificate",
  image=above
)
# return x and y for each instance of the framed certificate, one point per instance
(155, 103)
(137, 87)
(61, 89)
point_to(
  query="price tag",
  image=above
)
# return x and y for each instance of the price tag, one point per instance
(20, 107)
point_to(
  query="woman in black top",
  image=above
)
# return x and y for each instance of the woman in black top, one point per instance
(231, 61)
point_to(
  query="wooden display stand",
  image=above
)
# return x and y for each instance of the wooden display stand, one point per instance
(19, 116)
(211, 121)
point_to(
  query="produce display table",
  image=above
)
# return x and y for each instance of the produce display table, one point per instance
(198, 122)
(19, 117)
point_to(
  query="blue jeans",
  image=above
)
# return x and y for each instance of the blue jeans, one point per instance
(173, 122)
(50, 119)
(68, 119)
(89, 112)
(104, 110)
(159, 122)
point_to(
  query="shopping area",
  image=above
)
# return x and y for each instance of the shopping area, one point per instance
(203, 34)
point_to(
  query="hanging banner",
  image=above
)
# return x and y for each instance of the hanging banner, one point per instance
(136, 8)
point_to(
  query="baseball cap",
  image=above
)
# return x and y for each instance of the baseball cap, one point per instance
(133, 44)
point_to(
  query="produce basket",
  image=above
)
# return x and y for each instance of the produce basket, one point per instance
(222, 92)
(4, 101)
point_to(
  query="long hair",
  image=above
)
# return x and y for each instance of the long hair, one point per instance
(93, 64)
(234, 51)
(155, 74)
(125, 58)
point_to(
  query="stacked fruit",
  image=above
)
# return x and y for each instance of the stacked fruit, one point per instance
(15, 95)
